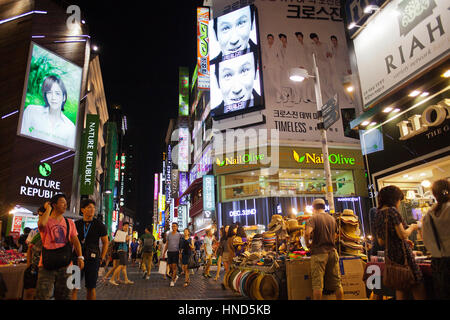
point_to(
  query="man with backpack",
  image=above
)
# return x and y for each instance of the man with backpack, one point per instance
(58, 235)
(148, 243)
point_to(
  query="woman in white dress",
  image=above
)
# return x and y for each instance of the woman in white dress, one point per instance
(48, 122)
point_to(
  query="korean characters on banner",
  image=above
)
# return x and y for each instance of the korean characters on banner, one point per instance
(203, 48)
(290, 32)
(236, 85)
(51, 99)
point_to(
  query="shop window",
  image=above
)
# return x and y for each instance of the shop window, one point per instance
(286, 183)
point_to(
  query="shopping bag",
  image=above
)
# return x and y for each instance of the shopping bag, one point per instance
(101, 272)
(162, 267)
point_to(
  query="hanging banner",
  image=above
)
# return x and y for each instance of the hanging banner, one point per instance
(88, 156)
(184, 92)
(203, 48)
(209, 204)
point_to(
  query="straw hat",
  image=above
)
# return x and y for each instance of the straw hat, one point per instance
(243, 282)
(269, 288)
(249, 282)
(276, 219)
(293, 225)
(237, 241)
(255, 287)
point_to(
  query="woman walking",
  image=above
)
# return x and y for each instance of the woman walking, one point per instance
(187, 247)
(228, 251)
(436, 237)
(395, 240)
(220, 249)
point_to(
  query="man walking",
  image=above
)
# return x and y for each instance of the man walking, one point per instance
(324, 257)
(148, 243)
(58, 235)
(173, 250)
(90, 231)
(207, 243)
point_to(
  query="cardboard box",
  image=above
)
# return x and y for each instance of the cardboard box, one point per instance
(352, 272)
(299, 281)
(298, 276)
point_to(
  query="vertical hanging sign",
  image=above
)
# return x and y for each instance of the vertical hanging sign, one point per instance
(89, 155)
(209, 204)
(203, 48)
(184, 92)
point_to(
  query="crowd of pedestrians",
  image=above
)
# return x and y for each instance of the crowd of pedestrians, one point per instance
(59, 243)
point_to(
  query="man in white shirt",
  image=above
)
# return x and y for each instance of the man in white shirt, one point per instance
(272, 67)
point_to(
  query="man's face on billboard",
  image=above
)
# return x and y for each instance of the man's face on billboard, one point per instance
(334, 41)
(236, 77)
(270, 40)
(283, 40)
(233, 30)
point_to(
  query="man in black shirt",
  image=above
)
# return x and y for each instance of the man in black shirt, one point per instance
(90, 231)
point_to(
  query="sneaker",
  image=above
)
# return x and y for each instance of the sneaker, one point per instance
(175, 280)
(147, 277)
(172, 284)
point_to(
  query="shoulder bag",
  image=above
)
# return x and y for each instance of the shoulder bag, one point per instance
(53, 259)
(396, 276)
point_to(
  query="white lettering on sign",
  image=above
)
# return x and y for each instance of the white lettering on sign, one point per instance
(32, 189)
(420, 123)
(246, 212)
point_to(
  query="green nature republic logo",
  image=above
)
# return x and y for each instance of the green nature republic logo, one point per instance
(242, 159)
(318, 158)
(45, 170)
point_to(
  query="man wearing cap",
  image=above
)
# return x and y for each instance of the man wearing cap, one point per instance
(321, 228)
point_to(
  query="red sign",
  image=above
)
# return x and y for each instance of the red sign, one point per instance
(17, 224)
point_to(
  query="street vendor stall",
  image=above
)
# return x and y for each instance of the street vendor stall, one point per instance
(12, 269)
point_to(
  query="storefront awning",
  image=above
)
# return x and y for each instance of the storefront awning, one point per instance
(193, 187)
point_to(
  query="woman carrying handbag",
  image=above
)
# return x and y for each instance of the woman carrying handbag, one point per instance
(401, 271)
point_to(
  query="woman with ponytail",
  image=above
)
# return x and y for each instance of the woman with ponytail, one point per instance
(436, 237)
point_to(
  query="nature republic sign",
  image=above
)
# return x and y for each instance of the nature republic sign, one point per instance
(89, 154)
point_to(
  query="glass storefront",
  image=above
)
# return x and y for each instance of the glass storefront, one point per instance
(286, 183)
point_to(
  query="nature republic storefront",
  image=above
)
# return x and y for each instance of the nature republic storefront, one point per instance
(250, 192)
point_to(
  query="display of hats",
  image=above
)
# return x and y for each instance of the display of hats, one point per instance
(237, 241)
(269, 287)
(236, 280)
(352, 235)
(351, 248)
(348, 216)
(231, 278)
(293, 226)
(248, 282)
(276, 219)
(254, 287)
(303, 217)
(226, 277)
(243, 281)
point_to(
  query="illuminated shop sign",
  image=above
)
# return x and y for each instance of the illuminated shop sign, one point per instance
(318, 158)
(184, 91)
(122, 160)
(88, 156)
(183, 150)
(209, 203)
(352, 199)
(242, 159)
(155, 191)
(432, 116)
(238, 213)
(203, 48)
(117, 168)
(41, 187)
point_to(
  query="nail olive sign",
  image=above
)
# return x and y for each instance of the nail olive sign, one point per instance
(317, 158)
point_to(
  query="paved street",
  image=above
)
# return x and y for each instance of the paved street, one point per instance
(156, 288)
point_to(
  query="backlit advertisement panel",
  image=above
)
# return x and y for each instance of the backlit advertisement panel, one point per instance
(236, 85)
(184, 91)
(183, 150)
(50, 102)
(203, 48)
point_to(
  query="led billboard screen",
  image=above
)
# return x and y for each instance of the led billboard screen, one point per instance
(236, 85)
(51, 99)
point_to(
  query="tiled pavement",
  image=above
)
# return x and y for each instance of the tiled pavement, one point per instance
(156, 288)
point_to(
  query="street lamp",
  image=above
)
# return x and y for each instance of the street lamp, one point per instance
(298, 75)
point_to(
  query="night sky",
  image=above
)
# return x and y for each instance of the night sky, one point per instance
(142, 44)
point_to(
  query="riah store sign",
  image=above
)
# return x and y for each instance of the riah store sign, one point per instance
(404, 38)
(89, 155)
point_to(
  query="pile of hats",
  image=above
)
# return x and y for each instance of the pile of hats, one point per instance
(269, 240)
(253, 284)
(256, 243)
(277, 225)
(350, 241)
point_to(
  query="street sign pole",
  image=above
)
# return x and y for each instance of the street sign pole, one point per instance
(323, 134)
